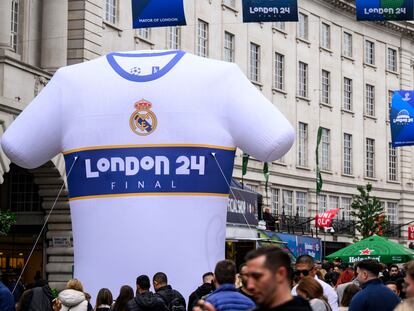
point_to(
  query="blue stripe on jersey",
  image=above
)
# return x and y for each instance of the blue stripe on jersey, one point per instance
(117, 171)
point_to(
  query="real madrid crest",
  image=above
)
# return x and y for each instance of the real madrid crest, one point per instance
(143, 121)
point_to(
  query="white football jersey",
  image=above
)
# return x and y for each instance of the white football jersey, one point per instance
(154, 135)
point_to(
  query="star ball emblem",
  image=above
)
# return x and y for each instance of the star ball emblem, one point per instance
(366, 251)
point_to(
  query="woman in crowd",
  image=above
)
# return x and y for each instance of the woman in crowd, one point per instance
(73, 297)
(104, 300)
(310, 289)
(346, 276)
(125, 294)
(349, 292)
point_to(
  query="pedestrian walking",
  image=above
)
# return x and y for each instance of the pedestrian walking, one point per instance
(126, 293)
(145, 300)
(104, 300)
(312, 290)
(73, 297)
(172, 298)
(205, 289)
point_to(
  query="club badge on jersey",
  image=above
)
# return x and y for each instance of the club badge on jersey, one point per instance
(143, 121)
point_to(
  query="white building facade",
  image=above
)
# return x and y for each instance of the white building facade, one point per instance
(327, 70)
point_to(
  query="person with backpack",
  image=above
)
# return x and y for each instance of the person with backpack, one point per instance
(145, 300)
(172, 298)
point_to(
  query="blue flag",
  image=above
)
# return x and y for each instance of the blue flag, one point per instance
(401, 118)
(270, 11)
(157, 13)
(380, 10)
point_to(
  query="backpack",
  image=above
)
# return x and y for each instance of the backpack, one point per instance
(176, 304)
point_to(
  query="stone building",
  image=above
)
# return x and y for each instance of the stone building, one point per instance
(327, 70)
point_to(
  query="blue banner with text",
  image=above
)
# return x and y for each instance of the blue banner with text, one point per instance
(146, 170)
(270, 11)
(401, 118)
(381, 10)
(157, 13)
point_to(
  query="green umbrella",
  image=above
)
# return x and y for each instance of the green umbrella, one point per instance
(374, 247)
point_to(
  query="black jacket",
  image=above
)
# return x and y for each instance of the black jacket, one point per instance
(41, 299)
(168, 294)
(203, 290)
(146, 302)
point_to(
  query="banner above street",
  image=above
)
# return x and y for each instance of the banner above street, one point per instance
(270, 11)
(382, 10)
(401, 118)
(157, 13)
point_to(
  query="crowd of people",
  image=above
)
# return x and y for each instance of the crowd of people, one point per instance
(267, 281)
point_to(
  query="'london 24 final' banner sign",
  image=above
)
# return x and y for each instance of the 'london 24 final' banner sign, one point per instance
(380, 10)
(157, 13)
(402, 118)
(270, 10)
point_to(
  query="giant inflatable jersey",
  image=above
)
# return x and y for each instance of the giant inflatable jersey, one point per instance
(150, 138)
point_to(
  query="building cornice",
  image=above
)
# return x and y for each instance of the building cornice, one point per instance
(403, 27)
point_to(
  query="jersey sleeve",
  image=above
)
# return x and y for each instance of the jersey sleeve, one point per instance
(256, 125)
(35, 136)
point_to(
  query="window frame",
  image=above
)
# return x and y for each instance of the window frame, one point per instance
(254, 62)
(325, 36)
(303, 79)
(303, 141)
(303, 26)
(347, 154)
(229, 47)
(369, 51)
(202, 38)
(279, 83)
(111, 11)
(348, 94)
(370, 100)
(325, 87)
(347, 49)
(369, 158)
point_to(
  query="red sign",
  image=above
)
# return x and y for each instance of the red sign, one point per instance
(324, 220)
(411, 232)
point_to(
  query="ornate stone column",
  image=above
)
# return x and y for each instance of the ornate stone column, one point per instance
(54, 34)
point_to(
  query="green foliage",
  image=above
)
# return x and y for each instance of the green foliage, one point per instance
(7, 219)
(368, 213)
(55, 292)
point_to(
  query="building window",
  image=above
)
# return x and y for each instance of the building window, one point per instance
(303, 80)
(322, 203)
(333, 202)
(370, 158)
(144, 33)
(369, 52)
(346, 208)
(301, 203)
(202, 38)
(228, 47)
(14, 34)
(325, 36)
(279, 71)
(392, 59)
(303, 144)
(392, 212)
(174, 38)
(325, 150)
(274, 198)
(348, 154)
(347, 45)
(280, 25)
(325, 87)
(24, 192)
(370, 100)
(110, 11)
(389, 103)
(254, 62)
(392, 163)
(288, 202)
(303, 26)
(254, 188)
(347, 94)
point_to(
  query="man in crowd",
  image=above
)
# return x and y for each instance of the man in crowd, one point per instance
(393, 286)
(6, 298)
(243, 277)
(172, 298)
(226, 296)
(269, 278)
(145, 300)
(409, 279)
(205, 289)
(375, 296)
(303, 267)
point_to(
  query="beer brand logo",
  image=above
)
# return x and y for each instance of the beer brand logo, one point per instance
(366, 251)
(143, 121)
